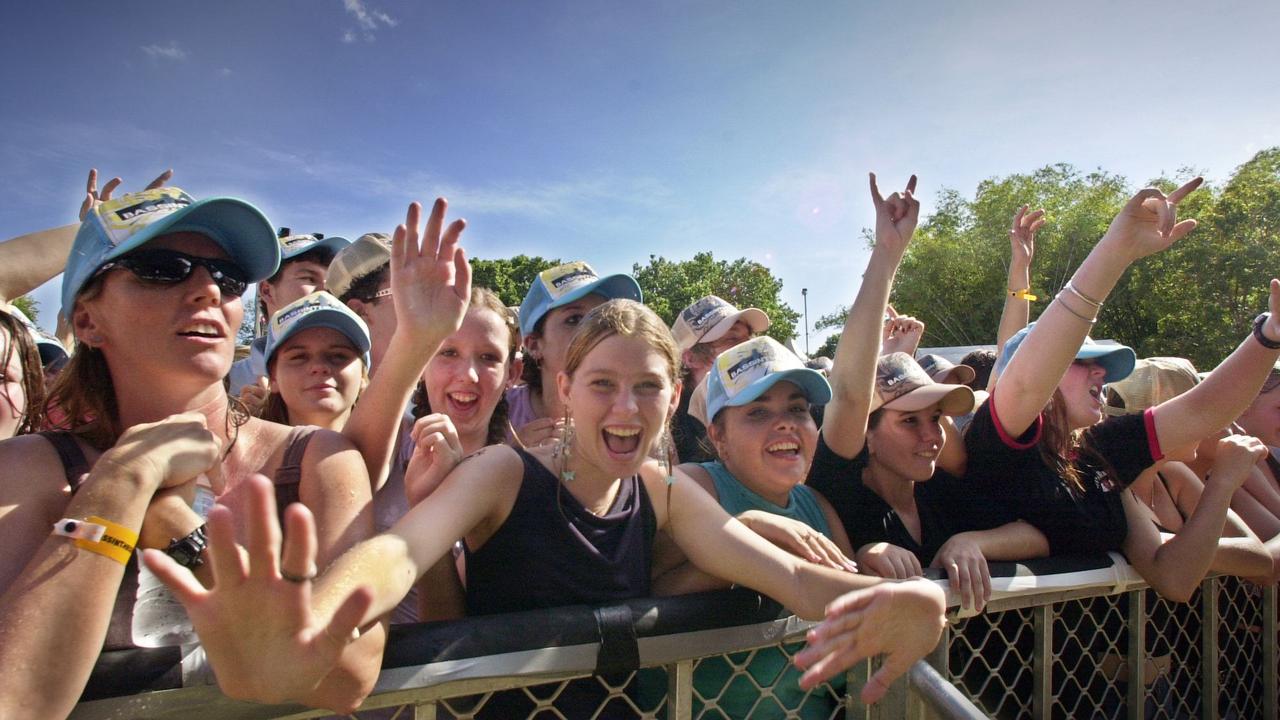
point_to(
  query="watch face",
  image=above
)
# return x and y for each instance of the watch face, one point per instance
(186, 552)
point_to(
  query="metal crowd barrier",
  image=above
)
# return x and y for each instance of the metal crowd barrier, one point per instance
(1061, 639)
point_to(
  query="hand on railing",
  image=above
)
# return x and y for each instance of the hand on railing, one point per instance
(901, 620)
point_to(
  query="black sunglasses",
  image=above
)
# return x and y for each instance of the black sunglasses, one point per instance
(170, 267)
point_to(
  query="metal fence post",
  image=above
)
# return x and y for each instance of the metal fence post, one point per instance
(1042, 661)
(1135, 696)
(1209, 648)
(855, 679)
(424, 711)
(1269, 669)
(680, 690)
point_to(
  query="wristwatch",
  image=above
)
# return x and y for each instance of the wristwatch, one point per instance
(1266, 342)
(186, 552)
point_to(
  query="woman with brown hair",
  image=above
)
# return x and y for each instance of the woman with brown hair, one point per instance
(1040, 449)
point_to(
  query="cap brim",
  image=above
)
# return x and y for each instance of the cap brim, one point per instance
(238, 227)
(755, 318)
(332, 319)
(611, 287)
(951, 399)
(957, 375)
(1117, 360)
(815, 387)
(332, 244)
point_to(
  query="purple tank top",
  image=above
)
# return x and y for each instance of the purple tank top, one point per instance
(552, 551)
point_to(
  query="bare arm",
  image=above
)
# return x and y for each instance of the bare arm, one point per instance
(1174, 568)
(1017, 307)
(431, 287)
(854, 366)
(1225, 393)
(55, 612)
(1146, 225)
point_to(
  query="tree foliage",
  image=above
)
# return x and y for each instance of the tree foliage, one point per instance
(1195, 300)
(29, 307)
(669, 286)
(510, 278)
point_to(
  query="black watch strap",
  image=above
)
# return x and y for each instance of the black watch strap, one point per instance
(1260, 336)
(187, 551)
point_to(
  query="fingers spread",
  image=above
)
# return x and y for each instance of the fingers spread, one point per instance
(178, 579)
(224, 556)
(1189, 187)
(298, 558)
(431, 236)
(160, 180)
(264, 530)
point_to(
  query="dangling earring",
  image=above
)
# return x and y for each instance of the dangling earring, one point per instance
(667, 448)
(564, 448)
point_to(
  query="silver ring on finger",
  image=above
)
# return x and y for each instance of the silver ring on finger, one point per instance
(286, 575)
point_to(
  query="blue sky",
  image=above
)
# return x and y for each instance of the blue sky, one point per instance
(610, 131)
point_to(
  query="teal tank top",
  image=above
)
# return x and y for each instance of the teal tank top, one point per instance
(802, 505)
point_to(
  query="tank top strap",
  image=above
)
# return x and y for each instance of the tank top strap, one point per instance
(289, 475)
(74, 464)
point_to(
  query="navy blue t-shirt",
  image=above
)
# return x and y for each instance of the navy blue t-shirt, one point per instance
(1011, 476)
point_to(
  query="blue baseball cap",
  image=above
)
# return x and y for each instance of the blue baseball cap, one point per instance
(319, 309)
(563, 284)
(1118, 360)
(745, 371)
(124, 224)
(291, 246)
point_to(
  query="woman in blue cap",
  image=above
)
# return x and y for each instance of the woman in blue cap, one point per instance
(317, 360)
(152, 288)
(1039, 447)
(549, 316)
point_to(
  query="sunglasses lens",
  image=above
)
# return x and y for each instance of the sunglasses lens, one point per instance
(168, 267)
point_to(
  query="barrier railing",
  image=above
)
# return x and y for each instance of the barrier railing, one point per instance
(1060, 638)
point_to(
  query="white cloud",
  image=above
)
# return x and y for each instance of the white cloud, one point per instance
(368, 20)
(168, 52)
(224, 72)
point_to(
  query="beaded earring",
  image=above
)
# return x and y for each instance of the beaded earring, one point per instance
(564, 448)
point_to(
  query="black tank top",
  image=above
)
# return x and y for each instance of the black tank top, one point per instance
(552, 551)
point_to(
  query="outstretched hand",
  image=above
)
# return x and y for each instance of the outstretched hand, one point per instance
(431, 280)
(93, 197)
(257, 624)
(896, 216)
(1149, 221)
(901, 620)
(1022, 235)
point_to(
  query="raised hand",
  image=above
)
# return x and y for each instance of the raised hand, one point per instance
(437, 450)
(431, 280)
(896, 215)
(93, 197)
(257, 624)
(901, 334)
(797, 538)
(1022, 235)
(902, 621)
(1148, 223)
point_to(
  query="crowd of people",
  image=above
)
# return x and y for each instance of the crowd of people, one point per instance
(399, 446)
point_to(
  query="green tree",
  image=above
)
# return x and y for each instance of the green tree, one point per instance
(1195, 300)
(28, 306)
(510, 278)
(670, 286)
